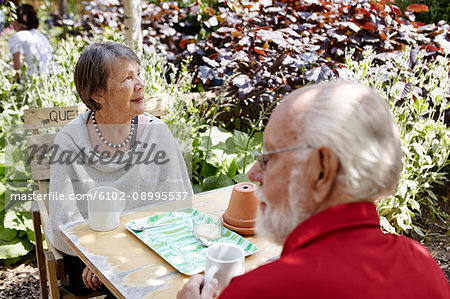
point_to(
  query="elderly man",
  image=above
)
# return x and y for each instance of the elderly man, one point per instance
(332, 150)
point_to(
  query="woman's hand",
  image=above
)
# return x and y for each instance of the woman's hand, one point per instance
(90, 280)
(191, 289)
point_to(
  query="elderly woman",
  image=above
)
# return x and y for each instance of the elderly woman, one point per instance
(114, 144)
(29, 42)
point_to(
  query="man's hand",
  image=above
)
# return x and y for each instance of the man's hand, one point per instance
(191, 289)
(90, 280)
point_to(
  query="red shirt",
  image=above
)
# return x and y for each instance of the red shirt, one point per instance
(342, 253)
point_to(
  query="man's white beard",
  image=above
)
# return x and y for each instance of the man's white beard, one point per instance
(276, 224)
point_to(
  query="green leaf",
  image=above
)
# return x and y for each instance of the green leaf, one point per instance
(232, 169)
(18, 247)
(402, 189)
(7, 234)
(208, 170)
(419, 148)
(197, 189)
(242, 177)
(2, 196)
(240, 140)
(30, 256)
(257, 140)
(415, 205)
(230, 146)
(386, 225)
(18, 220)
(30, 235)
(432, 195)
(215, 158)
(11, 261)
(404, 221)
(418, 231)
(214, 182)
(204, 143)
(221, 146)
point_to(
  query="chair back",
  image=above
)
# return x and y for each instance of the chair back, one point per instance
(36, 119)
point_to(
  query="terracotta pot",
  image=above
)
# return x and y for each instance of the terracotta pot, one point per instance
(242, 208)
(238, 222)
(244, 231)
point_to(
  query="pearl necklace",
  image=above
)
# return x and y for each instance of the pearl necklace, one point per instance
(104, 139)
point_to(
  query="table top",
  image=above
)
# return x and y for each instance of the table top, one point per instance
(130, 269)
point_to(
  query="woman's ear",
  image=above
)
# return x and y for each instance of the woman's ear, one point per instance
(98, 96)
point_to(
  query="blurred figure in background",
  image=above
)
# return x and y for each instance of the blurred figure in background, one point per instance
(29, 42)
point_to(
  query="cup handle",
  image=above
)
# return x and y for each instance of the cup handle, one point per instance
(209, 275)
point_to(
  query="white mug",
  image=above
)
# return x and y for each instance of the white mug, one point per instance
(104, 208)
(223, 262)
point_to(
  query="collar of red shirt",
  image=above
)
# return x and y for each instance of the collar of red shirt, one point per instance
(335, 218)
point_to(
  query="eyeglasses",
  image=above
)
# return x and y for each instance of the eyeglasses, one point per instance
(263, 159)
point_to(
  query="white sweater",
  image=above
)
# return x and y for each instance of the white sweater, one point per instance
(87, 170)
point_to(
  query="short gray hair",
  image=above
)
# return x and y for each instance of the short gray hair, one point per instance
(357, 125)
(94, 67)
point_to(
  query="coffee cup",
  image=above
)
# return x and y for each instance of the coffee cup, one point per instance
(104, 208)
(223, 262)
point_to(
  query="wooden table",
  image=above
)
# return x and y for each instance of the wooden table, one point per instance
(130, 269)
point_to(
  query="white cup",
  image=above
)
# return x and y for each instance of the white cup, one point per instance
(104, 208)
(223, 262)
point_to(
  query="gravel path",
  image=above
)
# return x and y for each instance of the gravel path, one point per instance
(19, 282)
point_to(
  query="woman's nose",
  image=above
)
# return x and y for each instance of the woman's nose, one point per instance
(256, 174)
(139, 85)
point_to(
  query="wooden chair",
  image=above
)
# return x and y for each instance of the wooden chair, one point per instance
(50, 262)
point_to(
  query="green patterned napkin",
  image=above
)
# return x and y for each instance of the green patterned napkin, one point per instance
(177, 244)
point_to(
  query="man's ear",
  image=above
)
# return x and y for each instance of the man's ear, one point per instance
(327, 168)
(98, 96)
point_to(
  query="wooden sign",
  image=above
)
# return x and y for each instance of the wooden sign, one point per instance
(36, 118)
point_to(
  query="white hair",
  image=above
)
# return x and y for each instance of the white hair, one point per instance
(356, 124)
